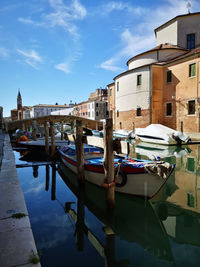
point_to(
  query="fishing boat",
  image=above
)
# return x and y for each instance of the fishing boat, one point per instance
(160, 134)
(134, 177)
(122, 134)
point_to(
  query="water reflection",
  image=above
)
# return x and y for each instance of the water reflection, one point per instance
(133, 221)
(164, 231)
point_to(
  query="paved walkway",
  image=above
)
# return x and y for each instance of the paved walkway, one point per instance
(16, 238)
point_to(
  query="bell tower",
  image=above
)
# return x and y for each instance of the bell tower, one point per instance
(19, 101)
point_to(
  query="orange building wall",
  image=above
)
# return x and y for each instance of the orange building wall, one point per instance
(179, 92)
(128, 117)
(157, 94)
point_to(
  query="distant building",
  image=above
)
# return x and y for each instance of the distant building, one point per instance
(17, 114)
(45, 110)
(111, 100)
(99, 94)
(67, 111)
(95, 108)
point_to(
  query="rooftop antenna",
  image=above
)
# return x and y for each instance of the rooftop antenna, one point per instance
(188, 7)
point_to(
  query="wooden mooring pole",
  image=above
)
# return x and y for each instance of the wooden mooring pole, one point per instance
(62, 134)
(109, 162)
(47, 178)
(53, 144)
(34, 137)
(53, 185)
(80, 151)
(46, 137)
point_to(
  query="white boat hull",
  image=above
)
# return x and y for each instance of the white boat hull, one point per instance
(144, 184)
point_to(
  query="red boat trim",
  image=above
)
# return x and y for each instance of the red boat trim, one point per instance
(100, 169)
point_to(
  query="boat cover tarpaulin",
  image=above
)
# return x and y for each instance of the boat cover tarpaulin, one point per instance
(162, 132)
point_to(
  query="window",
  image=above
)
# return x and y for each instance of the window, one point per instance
(191, 41)
(169, 109)
(192, 70)
(120, 125)
(190, 165)
(139, 112)
(110, 92)
(97, 113)
(169, 76)
(117, 113)
(191, 107)
(97, 105)
(117, 86)
(139, 79)
(190, 200)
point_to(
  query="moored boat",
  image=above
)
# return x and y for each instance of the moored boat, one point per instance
(134, 177)
(160, 134)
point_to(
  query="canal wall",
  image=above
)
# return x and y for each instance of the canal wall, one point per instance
(17, 245)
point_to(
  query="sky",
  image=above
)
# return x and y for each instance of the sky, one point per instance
(57, 51)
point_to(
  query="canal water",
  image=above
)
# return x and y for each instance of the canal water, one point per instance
(72, 226)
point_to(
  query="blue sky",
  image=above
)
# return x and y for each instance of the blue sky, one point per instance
(61, 50)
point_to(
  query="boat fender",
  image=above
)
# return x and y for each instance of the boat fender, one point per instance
(123, 178)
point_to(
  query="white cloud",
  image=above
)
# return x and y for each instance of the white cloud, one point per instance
(31, 58)
(63, 67)
(110, 64)
(35, 189)
(62, 15)
(119, 6)
(4, 52)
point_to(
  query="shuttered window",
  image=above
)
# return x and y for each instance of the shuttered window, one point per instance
(169, 76)
(139, 79)
(191, 107)
(192, 70)
(191, 41)
(139, 112)
(169, 109)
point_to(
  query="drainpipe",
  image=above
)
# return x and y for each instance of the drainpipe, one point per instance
(150, 94)
(198, 95)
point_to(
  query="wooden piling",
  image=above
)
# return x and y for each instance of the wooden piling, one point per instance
(53, 144)
(62, 134)
(53, 185)
(79, 151)
(80, 225)
(109, 162)
(47, 178)
(23, 126)
(182, 126)
(46, 137)
(133, 127)
(34, 137)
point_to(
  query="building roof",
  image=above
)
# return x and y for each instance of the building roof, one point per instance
(175, 18)
(188, 54)
(110, 84)
(19, 95)
(157, 48)
(46, 105)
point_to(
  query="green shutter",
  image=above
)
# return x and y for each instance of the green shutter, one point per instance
(192, 70)
(139, 79)
(190, 199)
